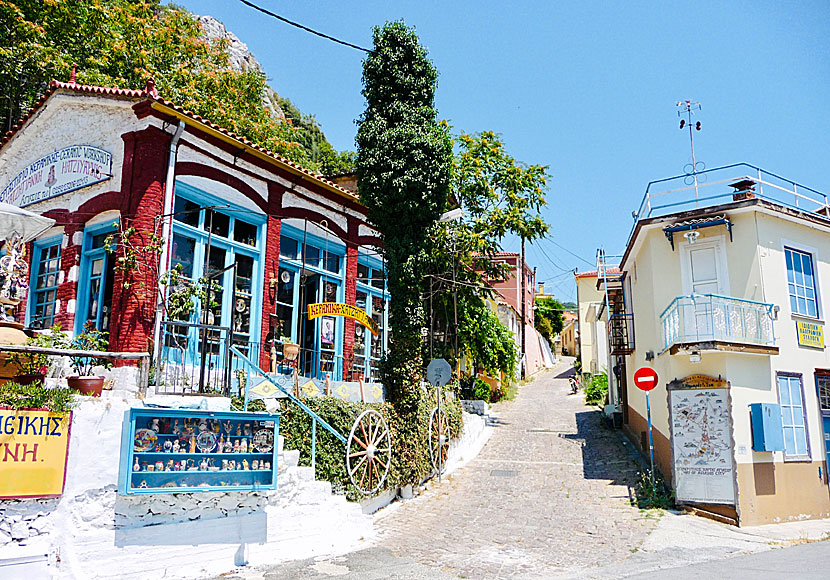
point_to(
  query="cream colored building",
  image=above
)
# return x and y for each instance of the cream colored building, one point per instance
(593, 342)
(729, 301)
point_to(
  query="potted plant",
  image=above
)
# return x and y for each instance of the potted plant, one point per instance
(90, 339)
(32, 367)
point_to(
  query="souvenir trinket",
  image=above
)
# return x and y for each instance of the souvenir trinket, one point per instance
(159, 465)
(236, 446)
(176, 447)
(192, 444)
(221, 447)
(228, 446)
(267, 465)
(168, 446)
(228, 426)
(203, 465)
(225, 464)
(238, 429)
(243, 446)
(254, 465)
(143, 484)
(206, 441)
(247, 429)
(203, 426)
(176, 430)
(154, 425)
(263, 441)
(170, 466)
(144, 439)
(151, 467)
(245, 465)
(136, 467)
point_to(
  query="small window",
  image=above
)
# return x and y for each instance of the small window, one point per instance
(377, 278)
(823, 385)
(45, 292)
(792, 417)
(801, 283)
(363, 273)
(183, 252)
(312, 256)
(217, 223)
(331, 262)
(186, 211)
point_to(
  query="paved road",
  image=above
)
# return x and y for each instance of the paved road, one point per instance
(547, 497)
(548, 493)
(805, 562)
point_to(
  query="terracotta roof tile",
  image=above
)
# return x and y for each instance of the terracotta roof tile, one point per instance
(593, 273)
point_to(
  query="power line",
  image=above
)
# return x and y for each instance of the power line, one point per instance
(306, 28)
(554, 242)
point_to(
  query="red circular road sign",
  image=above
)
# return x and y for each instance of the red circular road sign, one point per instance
(645, 378)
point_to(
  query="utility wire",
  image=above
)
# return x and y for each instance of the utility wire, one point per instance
(306, 28)
(555, 243)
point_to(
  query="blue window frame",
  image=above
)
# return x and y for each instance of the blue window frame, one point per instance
(793, 421)
(372, 297)
(311, 271)
(43, 293)
(95, 280)
(801, 283)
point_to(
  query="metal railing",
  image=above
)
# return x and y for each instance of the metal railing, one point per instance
(711, 187)
(196, 358)
(711, 317)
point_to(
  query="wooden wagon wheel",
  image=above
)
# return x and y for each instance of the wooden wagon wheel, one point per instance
(439, 439)
(369, 452)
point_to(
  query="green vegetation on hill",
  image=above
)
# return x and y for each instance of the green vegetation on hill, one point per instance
(122, 43)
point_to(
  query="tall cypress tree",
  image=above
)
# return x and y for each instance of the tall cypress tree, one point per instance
(404, 169)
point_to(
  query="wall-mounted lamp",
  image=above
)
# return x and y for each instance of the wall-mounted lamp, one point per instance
(649, 355)
(694, 357)
(692, 236)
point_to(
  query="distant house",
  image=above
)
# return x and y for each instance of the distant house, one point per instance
(570, 334)
(593, 343)
(727, 284)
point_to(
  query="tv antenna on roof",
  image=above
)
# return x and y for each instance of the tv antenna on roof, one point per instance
(687, 109)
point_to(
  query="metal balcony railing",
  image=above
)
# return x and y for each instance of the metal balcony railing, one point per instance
(711, 317)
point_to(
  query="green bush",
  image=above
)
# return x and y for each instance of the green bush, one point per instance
(410, 452)
(35, 396)
(596, 389)
(482, 390)
(653, 494)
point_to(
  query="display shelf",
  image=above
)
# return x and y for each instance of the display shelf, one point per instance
(155, 454)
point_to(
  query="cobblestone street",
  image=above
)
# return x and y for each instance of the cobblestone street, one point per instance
(549, 493)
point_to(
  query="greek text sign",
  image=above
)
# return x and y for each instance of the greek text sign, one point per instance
(60, 172)
(810, 334)
(33, 450)
(345, 310)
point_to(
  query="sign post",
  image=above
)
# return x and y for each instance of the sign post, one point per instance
(439, 373)
(645, 378)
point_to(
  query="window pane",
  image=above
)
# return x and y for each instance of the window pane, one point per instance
(285, 287)
(377, 278)
(289, 248)
(789, 441)
(183, 251)
(312, 255)
(800, 437)
(244, 273)
(330, 292)
(244, 232)
(285, 314)
(218, 223)
(332, 262)
(186, 211)
(363, 273)
(216, 262)
(783, 390)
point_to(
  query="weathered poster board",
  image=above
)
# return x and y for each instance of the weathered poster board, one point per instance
(34, 446)
(701, 436)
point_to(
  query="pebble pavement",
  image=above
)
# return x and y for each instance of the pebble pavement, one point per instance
(548, 496)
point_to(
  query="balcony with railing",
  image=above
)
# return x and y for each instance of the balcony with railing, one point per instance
(713, 322)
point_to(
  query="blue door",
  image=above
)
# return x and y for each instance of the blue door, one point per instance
(823, 391)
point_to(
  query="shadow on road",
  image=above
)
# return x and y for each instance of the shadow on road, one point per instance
(566, 374)
(603, 454)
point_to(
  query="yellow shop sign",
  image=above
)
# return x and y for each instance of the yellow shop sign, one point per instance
(810, 334)
(34, 446)
(704, 382)
(345, 310)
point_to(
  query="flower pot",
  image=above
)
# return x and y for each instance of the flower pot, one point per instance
(87, 385)
(29, 378)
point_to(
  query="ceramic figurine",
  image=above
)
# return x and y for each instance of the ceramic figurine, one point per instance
(143, 484)
(170, 466)
(228, 446)
(203, 465)
(236, 446)
(225, 464)
(221, 447)
(254, 464)
(238, 429)
(192, 444)
(245, 465)
(176, 448)
(243, 447)
(155, 425)
(267, 465)
(228, 426)
(217, 427)
(159, 465)
(151, 467)
(247, 429)
(136, 467)
(203, 426)
(168, 446)
(176, 430)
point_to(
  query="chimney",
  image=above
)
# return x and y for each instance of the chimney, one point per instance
(542, 288)
(744, 189)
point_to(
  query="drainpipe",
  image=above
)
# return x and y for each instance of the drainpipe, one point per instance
(166, 227)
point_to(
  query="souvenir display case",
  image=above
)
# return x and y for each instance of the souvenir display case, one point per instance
(180, 450)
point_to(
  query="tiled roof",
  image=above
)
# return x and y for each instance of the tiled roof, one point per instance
(593, 273)
(151, 94)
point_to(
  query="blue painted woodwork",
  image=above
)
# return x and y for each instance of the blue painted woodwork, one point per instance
(767, 429)
(196, 480)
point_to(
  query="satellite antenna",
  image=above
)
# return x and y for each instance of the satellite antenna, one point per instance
(687, 109)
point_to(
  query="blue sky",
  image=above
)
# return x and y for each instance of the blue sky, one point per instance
(587, 88)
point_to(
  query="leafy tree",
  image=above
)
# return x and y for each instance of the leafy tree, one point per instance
(123, 43)
(404, 165)
(547, 316)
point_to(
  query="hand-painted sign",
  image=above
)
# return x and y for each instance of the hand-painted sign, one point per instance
(34, 447)
(810, 334)
(345, 310)
(645, 378)
(60, 172)
(701, 382)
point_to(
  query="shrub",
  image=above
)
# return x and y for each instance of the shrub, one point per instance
(653, 494)
(596, 389)
(35, 396)
(482, 390)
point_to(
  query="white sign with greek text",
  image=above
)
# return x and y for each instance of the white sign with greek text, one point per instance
(60, 172)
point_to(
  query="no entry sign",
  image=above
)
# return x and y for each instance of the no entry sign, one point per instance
(645, 378)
